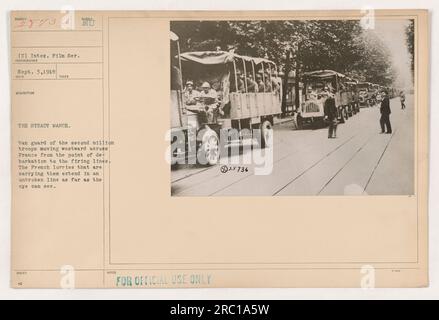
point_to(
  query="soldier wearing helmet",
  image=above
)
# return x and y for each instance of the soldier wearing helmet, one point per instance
(190, 95)
(209, 99)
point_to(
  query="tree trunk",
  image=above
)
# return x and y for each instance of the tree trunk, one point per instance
(297, 81)
(285, 83)
(297, 89)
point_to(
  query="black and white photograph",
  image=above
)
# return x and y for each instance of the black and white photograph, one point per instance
(292, 107)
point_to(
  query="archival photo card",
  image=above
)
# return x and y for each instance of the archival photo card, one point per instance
(162, 149)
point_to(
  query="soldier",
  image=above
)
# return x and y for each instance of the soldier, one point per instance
(268, 86)
(330, 111)
(402, 99)
(252, 86)
(241, 84)
(276, 83)
(261, 84)
(190, 96)
(311, 93)
(209, 98)
(385, 114)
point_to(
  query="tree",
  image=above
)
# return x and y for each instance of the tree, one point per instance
(410, 39)
(340, 45)
(375, 64)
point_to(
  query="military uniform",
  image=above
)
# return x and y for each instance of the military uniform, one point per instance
(385, 115)
(190, 97)
(402, 98)
(211, 110)
(252, 86)
(268, 86)
(261, 86)
(330, 111)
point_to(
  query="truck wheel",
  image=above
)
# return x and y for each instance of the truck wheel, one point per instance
(208, 152)
(266, 134)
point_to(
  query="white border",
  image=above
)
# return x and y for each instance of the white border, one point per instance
(6, 293)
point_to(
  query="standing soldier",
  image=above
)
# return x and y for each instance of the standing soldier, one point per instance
(402, 98)
(330, 111)
(385, 114)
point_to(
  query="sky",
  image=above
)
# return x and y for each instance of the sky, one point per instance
(392, 32)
